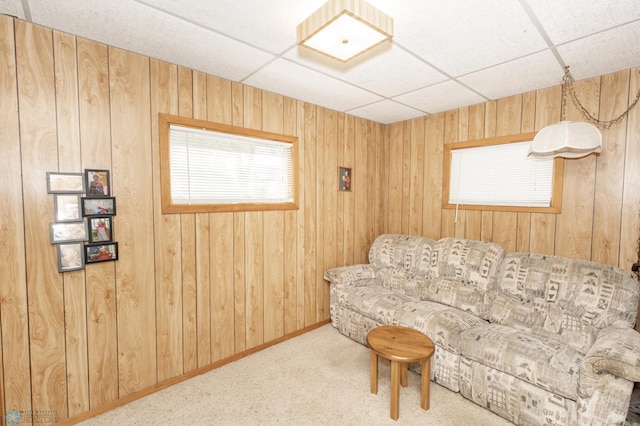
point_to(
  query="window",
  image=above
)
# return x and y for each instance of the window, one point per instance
(498, 174)
(213, 167)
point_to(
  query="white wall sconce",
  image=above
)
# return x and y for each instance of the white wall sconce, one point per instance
(344, 29)
(573, 139)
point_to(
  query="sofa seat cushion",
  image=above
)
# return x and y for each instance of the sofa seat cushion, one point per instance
(547, 363)
(376, 302)
(443, 324)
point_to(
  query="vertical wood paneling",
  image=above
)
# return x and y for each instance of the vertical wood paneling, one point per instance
(575, 224)
(202, 248)
(67, 115)
(607, 215)
(301, 259)
(167, 233)
(395, 178)
(416, 180)
(15, 376)
(254, 237)
(310, 203)
(291, 224)
(320, 201)
(349, 203)
(222, 287)
(630, 227)
(188, 239)
(274, 234)
(329, 196)
(95, 134)
(361, 186)
(132, 183)
(37, 106)
(450, 135)
(543, 225)
(434, 152)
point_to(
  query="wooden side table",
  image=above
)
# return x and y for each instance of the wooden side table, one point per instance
(402, 346)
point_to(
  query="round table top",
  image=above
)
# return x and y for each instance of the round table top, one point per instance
(399, 343)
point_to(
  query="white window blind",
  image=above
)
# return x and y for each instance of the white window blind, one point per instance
(500, 175)
(209, 167)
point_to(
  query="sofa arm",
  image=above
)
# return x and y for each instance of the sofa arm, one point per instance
(616, 351)
(345, 276)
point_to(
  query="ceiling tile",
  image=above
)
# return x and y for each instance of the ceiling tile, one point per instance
(12, 8)
(378, 70)
(440, 97)
(603, 53)
(386, 112)
(267, 24)
(522, 75)
(459, 37)
(568, 20)
(298, 82)
(164, 37)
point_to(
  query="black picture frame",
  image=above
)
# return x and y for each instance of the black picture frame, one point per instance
(100, 229)
(97, 183)
(70, 256)
(98, 206)
(65, 183)
(94, 253)
(66, 207)
(344, 179)
(68, 232)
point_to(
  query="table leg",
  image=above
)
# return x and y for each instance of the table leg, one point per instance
(395, 389)
(424, 384)
(374, 372)
(404, 380)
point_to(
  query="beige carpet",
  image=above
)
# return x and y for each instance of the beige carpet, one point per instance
(318, 378)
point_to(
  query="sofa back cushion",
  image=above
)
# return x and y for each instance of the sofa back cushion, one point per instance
(562, 298)
(402, 252)
(463, 274)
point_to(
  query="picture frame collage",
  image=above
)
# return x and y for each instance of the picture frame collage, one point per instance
(84, 211)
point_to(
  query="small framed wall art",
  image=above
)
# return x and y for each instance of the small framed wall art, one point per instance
(68, 232)
(70, 256)
(97, 183)
(101, 252)
(344, 179)
(100, 229)
(65, 183)
(66, 207)
(98, 206)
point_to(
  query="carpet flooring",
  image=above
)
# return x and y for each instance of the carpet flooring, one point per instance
(318, 378)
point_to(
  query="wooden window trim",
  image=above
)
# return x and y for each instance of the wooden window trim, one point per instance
(558, 172)
(165, 120)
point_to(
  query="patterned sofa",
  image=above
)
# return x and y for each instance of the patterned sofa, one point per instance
(538, 340)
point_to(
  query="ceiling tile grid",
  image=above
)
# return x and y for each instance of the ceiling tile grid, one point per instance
(444, 55)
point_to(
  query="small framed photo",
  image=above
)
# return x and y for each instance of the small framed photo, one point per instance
(97, 183)
(66, 207)
(65, 183)
(68, 232)
(98, 206)
(100, 229)
(100, 252)
(70, 256)
(344, 179)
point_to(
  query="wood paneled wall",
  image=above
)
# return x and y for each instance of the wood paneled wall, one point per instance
(601, 196)
(188, 290)
(191, 290)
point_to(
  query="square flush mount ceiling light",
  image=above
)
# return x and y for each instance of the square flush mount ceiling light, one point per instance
(343, 29)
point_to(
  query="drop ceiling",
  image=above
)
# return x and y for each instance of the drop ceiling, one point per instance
(445, 54)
